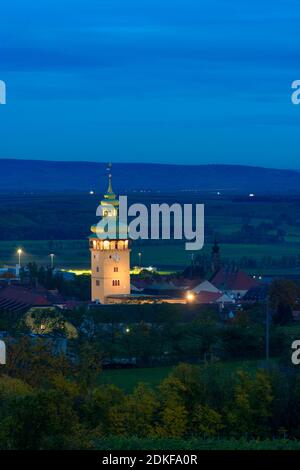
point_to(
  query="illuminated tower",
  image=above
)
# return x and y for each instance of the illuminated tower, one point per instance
(110, 258)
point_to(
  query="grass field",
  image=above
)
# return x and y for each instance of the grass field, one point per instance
(45, 218)
(127, 379)
(75, 253)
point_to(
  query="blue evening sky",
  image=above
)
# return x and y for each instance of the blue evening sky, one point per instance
(182, 81)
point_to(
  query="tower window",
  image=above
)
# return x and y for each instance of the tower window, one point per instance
(116, 283)
(97, 269)
(97, 283)
(121, 245)
(116, 269)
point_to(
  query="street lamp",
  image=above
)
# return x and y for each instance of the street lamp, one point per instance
(190, 297)
(140, 259)
(19, 252)
(52, 260)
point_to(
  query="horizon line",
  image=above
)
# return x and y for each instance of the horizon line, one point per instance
(105, 162)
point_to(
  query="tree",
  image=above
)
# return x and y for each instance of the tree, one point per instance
(239, 415)
(89, 366)
(251, 405)
(186, 381)
(283, 291)
(173, 420)
(12, 387)
(34, 362)
(283, 315)
(42, 420)
(136, 414)
(241, 342)
(49, 320)
(32, 269)
(207, 421)
(100, 406)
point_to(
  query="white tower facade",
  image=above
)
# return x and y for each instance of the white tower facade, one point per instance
(110, 258)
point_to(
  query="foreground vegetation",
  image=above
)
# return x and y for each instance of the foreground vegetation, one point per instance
(135, 443)
(212, 388)
(128, 379)
(48, 402)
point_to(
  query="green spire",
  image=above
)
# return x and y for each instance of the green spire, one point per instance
(109, 196)
(110, 192)
(110, 189)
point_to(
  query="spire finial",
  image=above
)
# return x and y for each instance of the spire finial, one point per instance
(110, 189)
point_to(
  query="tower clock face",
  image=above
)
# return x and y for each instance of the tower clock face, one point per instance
(116, 257)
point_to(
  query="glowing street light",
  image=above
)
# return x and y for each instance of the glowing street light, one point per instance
(190, 297)
(52, 260)
(127, 330)
(140, 259)
(19, 252)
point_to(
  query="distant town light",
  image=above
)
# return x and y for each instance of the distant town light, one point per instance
(127, 330)
(218, 193)
(251, 195)
(92, 192)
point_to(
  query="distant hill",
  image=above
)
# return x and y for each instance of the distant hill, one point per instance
(38, 175)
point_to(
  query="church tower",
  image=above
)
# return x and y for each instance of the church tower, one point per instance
(110, 257)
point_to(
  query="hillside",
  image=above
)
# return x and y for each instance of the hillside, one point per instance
(38, 175)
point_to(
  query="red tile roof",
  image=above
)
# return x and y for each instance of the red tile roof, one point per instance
(233, 280)
(18, 298)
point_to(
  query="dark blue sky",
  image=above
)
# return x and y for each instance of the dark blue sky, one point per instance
(183, 81)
